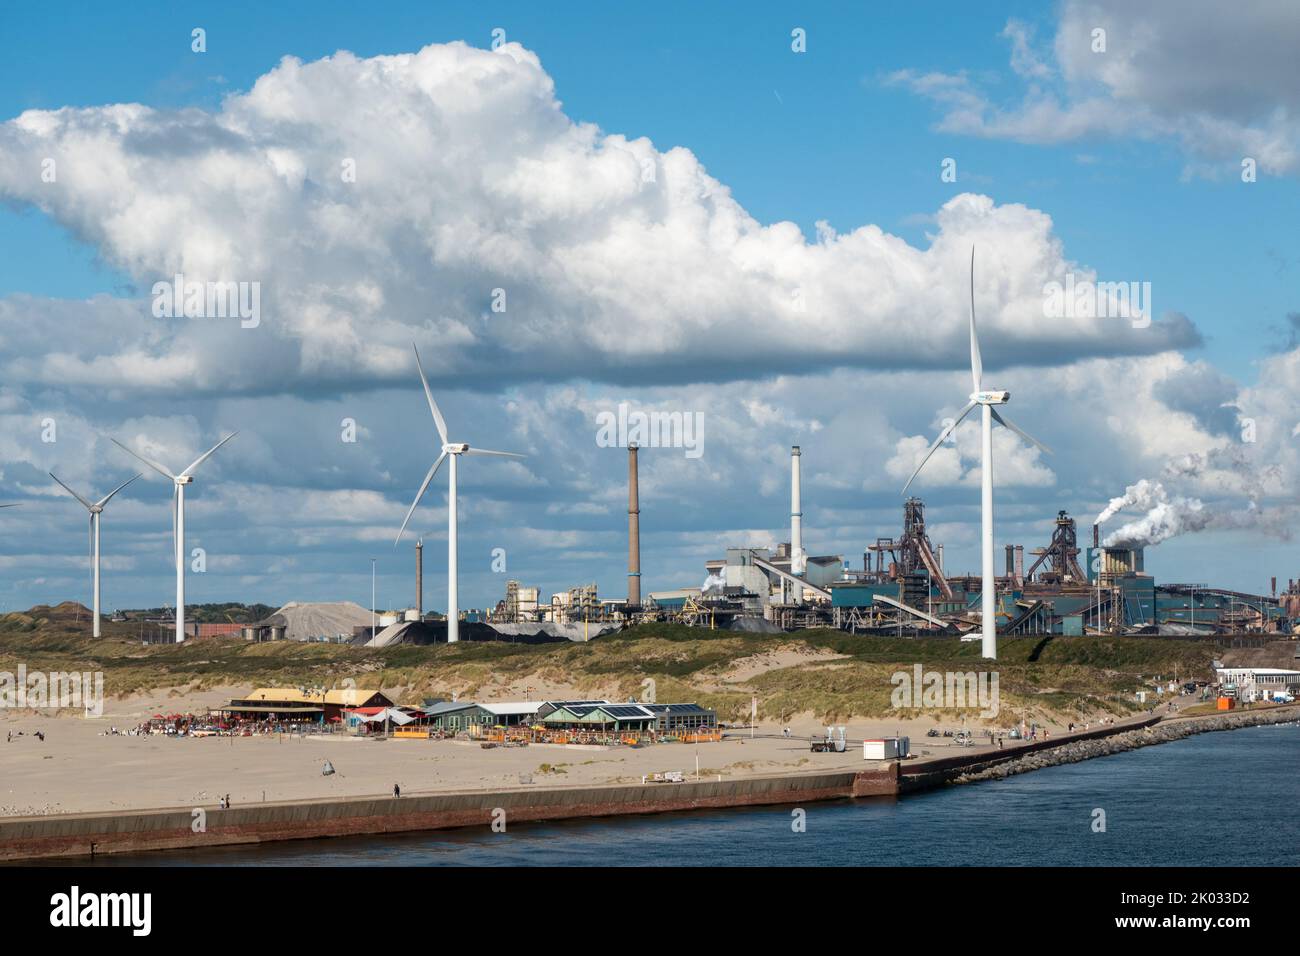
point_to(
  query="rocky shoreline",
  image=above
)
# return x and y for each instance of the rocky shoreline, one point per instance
(1161, 733)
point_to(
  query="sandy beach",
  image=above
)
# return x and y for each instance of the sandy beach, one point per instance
(79, 767)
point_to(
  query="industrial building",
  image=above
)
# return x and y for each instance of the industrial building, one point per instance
(903, 587)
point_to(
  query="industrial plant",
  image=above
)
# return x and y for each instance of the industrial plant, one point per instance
(1063, 586)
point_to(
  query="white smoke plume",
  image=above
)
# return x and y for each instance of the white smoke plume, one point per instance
(1169, 515)
(1165, 519)
(714, 582)
(1145, 494)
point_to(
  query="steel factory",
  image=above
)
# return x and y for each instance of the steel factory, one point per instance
(1066, 585)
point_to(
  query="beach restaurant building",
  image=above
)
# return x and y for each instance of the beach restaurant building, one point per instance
(290, 704)
(620, 718)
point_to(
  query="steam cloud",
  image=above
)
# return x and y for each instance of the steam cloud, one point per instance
(1169, 515)
(1145, 494)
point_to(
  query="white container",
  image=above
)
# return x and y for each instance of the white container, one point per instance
(888, 748)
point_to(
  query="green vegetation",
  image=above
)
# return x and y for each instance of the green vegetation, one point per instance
(831, 674)
(228, 612)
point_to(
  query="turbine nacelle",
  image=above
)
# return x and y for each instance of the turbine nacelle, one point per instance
(990, 397)
(455, 448)
(184, 479)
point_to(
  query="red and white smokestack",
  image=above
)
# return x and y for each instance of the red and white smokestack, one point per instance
(798, 562)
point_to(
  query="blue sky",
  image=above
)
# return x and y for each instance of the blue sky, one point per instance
(842, 133)
(801, 138)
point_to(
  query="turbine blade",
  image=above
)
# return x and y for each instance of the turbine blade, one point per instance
(976, 363)
(428, 393)
(1006, 423)
(418, 495)
(68, 490)
(14, 505)
(104, 500)
(152, 464)
(943, 435)
(204, 457)
(484, 451)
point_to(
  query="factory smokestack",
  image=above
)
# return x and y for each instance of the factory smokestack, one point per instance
(419, 579)
(1020, 563)
(940, 556)
(633, 531)
(1096, 536)
(1011, 560)
(798, 563)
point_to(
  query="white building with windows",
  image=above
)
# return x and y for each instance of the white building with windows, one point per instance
(1259, 683)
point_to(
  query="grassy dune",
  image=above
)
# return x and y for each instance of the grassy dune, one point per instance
(828, 673)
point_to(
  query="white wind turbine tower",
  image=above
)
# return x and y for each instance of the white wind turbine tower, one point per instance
(452, 450)
(986, 399)
(178, 519)
(95, 510)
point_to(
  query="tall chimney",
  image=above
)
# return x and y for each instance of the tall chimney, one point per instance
(633, 532)
(1096, 536)
(941, 559)
(1020, 563)
(1273, 585)
(419, 579)
(1011, 560)
(798, 563)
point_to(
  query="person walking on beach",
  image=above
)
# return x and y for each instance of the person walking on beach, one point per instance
(221, 803)
(227, 801)
(397, 791)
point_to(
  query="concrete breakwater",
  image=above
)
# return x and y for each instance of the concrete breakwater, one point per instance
(90, 834)
(1074, 751)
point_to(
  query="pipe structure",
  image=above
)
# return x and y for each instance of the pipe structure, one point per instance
(419, 579)
(633, 531)
(798, 561)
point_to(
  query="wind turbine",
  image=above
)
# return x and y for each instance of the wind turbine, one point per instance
(986, 399)
(452, 450)
(178, 519)
(95, 510)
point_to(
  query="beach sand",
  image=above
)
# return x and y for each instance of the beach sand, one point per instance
(78, 767)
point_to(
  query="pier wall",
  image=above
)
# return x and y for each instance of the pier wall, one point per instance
(90, 834)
